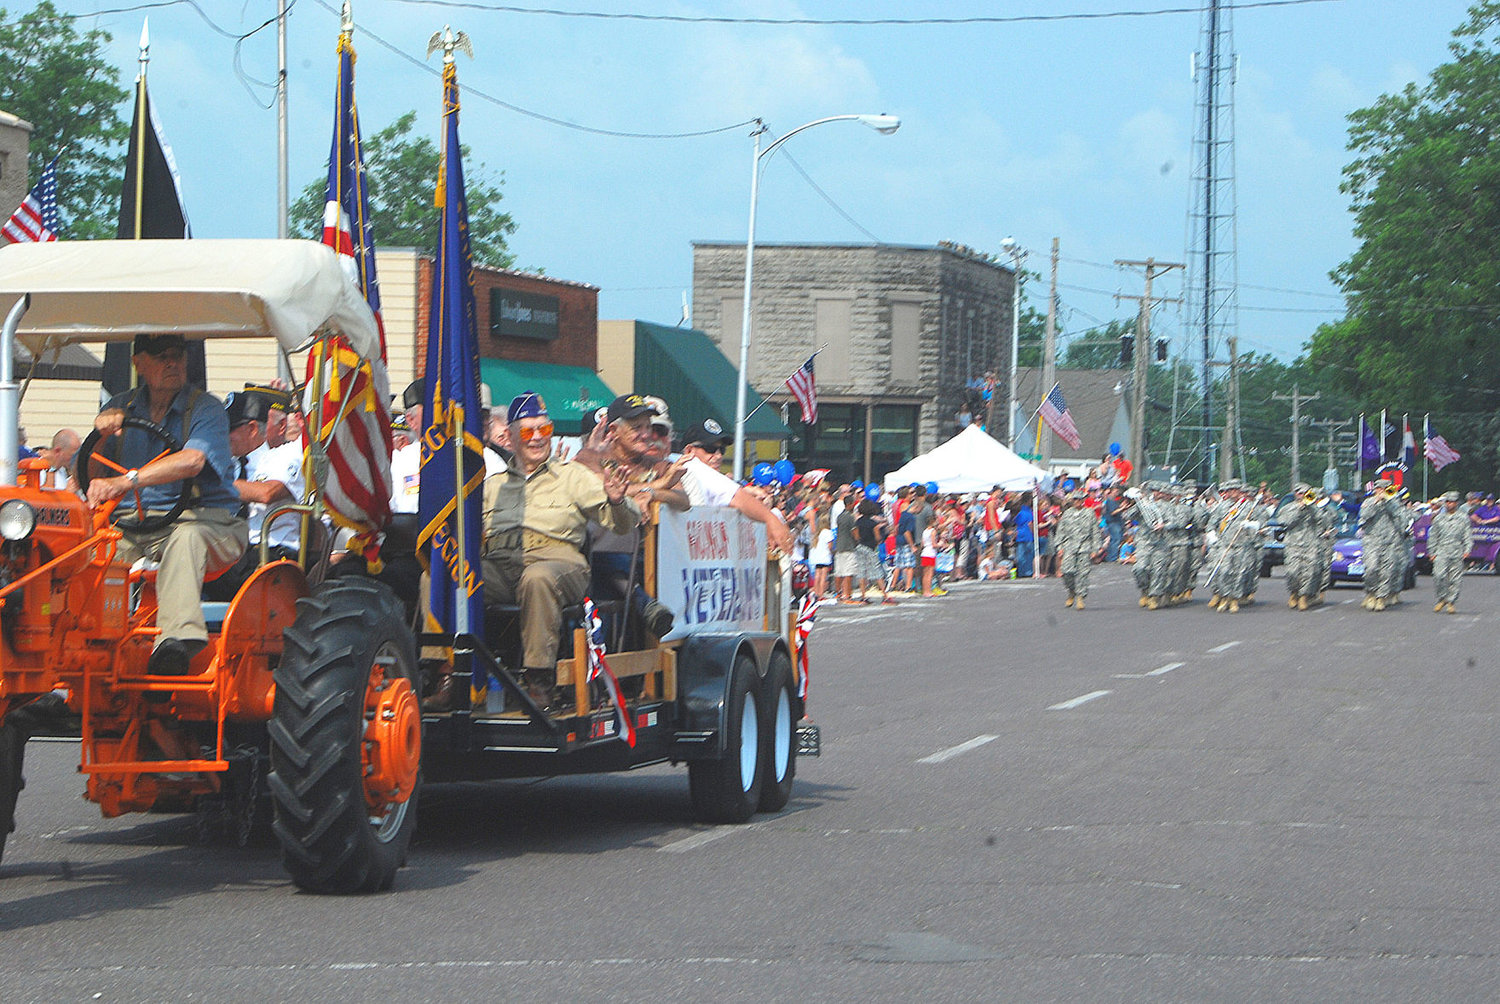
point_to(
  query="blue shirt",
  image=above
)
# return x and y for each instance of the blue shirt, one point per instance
(1023, 524)
(207, 431)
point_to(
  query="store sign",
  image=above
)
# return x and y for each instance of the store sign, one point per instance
(523, 315)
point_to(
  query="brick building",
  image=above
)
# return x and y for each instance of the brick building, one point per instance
(902, 330)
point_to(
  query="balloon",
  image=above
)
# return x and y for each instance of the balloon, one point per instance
(1114, 449)
(857, 485)
(762, 473)
(872, 492)
(785, 471)
(932, 488)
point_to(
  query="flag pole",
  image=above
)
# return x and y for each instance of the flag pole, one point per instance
(1359, 457)
(1426, 435)
(140, 118)
(789, 376)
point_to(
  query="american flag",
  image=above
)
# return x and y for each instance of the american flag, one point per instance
(358, 441)
(599, 670)
(805, 389)
(36, 218)
(1437, 449)
(807, 612)
(1054, 411)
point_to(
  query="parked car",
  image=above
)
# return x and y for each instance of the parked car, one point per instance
(1349, 554)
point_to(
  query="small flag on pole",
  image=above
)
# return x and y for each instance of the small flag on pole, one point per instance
(1054, 412)
(600, 672)
(805, 389)
(1408, 444)
(1369, 446)
(36, 218)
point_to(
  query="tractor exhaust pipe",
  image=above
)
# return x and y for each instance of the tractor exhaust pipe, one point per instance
(10, 394)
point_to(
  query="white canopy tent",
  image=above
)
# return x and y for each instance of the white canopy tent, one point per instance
(971, 461)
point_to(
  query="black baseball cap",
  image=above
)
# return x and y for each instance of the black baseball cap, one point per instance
(706, 433)
(415, 393)
(157, 344)
(276, 398)
(629, 406)
(244, 406)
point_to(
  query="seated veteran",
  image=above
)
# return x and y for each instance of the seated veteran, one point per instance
(536, 512)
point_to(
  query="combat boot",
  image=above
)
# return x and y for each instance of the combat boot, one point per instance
(1152, 603)
(1234, 606)
(1145, 600)
(1291, 603)
(1302, 603)
(1069, 601)
(1079, 604)
(1451, 610)
(1439, 608)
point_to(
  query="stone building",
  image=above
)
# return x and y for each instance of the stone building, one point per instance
(15, 141)
(902, 331)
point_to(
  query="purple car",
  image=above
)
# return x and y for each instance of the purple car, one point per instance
(1349, 565)
(1486, 545)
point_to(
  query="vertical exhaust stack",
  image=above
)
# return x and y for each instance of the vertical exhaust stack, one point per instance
(10, 394)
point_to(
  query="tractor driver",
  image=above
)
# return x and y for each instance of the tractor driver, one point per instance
(536, 513)
(209, 536)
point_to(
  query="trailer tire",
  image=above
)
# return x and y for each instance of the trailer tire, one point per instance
(728, 789)
(779, 734)
(348, 654)
(12, 747)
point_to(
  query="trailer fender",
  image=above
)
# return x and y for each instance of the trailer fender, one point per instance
(703, 669)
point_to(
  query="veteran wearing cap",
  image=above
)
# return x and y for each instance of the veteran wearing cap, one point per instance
(1449, 539)
(209, 536)
(536, 513)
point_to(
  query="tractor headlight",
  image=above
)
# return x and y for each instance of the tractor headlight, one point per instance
(17, 520)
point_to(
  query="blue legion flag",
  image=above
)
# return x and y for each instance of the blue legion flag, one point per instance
(1369, 446)
(452, 450)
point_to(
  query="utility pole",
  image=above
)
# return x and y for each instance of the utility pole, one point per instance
(1049, 356)
(1297, 399)
(1334, 427)
(1142, 353)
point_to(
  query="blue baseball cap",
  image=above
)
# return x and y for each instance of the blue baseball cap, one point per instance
(527, 404)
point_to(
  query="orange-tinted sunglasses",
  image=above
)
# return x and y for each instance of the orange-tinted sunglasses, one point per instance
(540, 432)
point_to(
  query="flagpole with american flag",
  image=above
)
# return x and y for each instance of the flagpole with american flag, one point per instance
(36, 219)
(804, 388)
(348, 396)
(1054, 411)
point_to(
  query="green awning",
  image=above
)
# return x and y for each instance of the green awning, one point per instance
(686, 369)
(568, 390)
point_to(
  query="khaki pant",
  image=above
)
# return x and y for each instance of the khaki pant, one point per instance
(200, 543)
(548, 581)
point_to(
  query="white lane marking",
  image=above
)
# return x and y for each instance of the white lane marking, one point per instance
(1158, 671)
(953, 751)
(699, 839)
(1222, 648)
(1075, 702)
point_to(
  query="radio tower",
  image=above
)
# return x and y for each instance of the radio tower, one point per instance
(1213, 279)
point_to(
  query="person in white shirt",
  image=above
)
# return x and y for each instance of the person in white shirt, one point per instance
(703, 451)
(406, 463)
(60, 456)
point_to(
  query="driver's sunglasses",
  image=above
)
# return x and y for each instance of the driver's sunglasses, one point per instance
(174, 353)
(540, 432)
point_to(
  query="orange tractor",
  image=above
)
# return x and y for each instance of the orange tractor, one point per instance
(320, 674)
(307, 699)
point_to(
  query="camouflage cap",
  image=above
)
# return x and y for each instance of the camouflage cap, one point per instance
(1450, 497)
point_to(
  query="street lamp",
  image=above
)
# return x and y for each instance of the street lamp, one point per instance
(883, 124)
(1017, 255)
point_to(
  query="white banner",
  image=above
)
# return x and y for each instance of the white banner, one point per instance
(711, 570)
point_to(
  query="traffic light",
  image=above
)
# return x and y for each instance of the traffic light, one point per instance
(1127, 349)
(1161, 350)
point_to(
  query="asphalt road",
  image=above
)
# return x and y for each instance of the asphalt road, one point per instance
(1016, 801)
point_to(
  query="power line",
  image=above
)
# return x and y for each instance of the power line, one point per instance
(829, 199)
(851, 21)
(475, 92)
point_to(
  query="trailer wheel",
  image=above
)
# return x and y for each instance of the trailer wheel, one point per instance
(779, 733)
(12, 746)
(728, 790)
(346, 739)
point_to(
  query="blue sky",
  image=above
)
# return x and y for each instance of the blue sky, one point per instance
(1079, 129)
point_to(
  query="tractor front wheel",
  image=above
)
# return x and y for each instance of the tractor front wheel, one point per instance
(346, 739)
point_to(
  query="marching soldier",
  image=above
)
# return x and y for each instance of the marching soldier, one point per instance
(1449, 540)
(1148, 540)
(1381, 519)
(1077, 540)
(1301, 516)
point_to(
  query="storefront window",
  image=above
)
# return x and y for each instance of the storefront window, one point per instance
(837, 442)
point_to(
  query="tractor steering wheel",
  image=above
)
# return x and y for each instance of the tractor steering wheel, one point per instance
(137, 521)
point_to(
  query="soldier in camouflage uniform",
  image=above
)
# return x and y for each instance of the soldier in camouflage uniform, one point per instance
(1449, 540)
(1217, 539)
(1148, 535)
(1076, 540)
(1170, 581)
(1302, 519)
(1239, 543)
(1381, 519)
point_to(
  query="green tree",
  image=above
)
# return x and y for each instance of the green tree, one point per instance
(1098, 348)
(1422, 286)
(56, 78)
(402, 172)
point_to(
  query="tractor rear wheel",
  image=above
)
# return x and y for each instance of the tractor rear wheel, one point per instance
(12, 746)
(346, 739)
